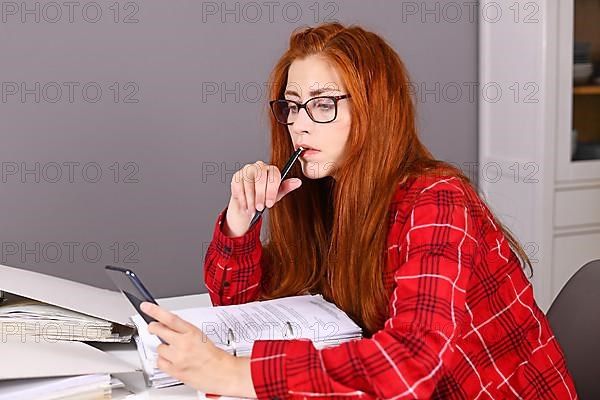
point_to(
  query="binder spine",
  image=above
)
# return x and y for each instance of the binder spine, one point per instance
(289, 331)
(231, 342)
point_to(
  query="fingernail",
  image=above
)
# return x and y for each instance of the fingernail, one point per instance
(269, 203)
(259, 207)
(145, 306)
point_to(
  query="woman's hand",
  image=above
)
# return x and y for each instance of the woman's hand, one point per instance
(254, 187)
(192, 358)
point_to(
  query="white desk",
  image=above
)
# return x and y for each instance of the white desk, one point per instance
(135, 381)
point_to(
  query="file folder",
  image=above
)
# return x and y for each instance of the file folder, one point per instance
(100, 303)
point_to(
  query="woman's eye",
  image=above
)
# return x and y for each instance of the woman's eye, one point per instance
(325, 106)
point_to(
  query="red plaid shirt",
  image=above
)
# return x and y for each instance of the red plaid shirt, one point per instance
(463, 322)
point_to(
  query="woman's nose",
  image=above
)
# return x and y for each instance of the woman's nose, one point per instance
(303, 123)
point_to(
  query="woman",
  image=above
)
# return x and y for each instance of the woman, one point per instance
(399, 241)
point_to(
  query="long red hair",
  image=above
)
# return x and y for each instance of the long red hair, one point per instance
(329, 236)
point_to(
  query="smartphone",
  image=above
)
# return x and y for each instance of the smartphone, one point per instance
(132, 287)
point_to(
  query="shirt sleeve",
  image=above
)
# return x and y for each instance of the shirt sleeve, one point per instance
(232, 266)
(407, 358)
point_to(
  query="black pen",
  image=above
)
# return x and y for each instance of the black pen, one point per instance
(284, 172)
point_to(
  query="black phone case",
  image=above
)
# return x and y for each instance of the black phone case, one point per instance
(144, 294)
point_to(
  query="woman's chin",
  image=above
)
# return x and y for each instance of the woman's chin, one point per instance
(316, 170)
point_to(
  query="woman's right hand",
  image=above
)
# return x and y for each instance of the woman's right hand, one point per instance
(253, 187)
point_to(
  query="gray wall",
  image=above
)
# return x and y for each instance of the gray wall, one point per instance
(169, 139)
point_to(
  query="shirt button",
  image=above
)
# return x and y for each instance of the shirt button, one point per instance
(226, 284)
(227, 249)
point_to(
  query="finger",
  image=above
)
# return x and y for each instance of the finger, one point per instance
(260, 185)
(287, 186)
(164, 365)
(159, 329)
(167, 352)
(273, 183)
(234, 191)
(249, 189)
(237, 187)
(166, 317)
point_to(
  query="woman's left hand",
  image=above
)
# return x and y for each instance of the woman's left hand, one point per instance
(192, 358)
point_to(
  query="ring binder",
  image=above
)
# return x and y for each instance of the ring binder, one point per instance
(231, 336)
(236, 328)
(231, 340)
(289, 329)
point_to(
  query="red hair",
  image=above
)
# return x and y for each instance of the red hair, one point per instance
(329, 236)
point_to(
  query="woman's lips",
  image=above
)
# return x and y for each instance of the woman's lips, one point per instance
(309, 153)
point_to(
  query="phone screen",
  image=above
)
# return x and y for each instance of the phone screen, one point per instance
(131, 286)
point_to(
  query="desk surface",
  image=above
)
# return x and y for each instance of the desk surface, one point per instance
(126, 351)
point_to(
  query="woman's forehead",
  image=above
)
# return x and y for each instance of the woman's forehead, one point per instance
(312, 76)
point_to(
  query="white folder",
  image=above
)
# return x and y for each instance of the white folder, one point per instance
(28, 357)
(43, 358)
(105, 304)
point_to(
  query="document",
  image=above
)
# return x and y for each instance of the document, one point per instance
(235, 328)
(43, 305)
(28, 318)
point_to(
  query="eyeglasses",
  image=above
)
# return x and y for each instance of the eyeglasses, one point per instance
(321, 109)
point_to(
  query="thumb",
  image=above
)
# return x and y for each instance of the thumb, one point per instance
(287, 186)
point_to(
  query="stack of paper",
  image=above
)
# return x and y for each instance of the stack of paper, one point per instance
(51, 370)
(28, 318)
(235, 328)
(44, 306)
(82, 387)
(43, 323)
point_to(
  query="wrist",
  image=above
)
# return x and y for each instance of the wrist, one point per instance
(241, 378)
(239, 226)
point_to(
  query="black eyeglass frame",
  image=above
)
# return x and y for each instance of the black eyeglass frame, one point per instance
(303, 105)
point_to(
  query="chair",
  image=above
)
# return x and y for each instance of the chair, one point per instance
(575, 319)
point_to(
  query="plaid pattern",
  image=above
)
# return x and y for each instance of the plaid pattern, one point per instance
(232, 265)
(463, 322)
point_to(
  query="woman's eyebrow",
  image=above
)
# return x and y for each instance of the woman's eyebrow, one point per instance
(315, 92)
